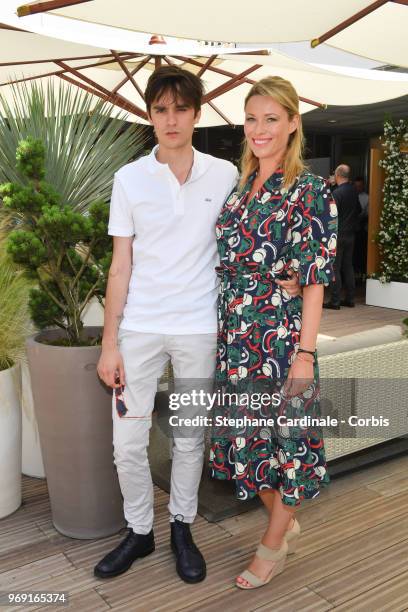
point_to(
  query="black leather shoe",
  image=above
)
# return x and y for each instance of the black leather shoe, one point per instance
(347, 303)
(190, 564)
(134, 546)
(331, 306)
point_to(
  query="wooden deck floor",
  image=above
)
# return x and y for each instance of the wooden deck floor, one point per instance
(352, 555)
(351, 320)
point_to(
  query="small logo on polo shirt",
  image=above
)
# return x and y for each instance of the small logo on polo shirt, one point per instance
(207, 200)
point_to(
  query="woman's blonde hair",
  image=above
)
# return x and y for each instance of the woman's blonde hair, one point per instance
(283, 92)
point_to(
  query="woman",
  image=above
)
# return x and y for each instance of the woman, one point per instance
(280, 218)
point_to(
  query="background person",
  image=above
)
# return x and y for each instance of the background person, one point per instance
(349, 210)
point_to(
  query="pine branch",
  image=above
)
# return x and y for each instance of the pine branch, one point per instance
(51, 295)
(88, 296)
(84, 263)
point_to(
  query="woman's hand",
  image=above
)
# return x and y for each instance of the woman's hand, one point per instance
(291, 286)
(300, 376)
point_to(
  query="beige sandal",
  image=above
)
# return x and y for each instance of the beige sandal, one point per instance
(292, 537)
(268, 554)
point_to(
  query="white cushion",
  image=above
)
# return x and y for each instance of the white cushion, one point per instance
(364, 339)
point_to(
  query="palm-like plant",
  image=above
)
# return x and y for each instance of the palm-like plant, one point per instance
(85, 143)
(82, 146)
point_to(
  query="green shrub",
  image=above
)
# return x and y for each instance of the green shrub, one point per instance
(66, 252)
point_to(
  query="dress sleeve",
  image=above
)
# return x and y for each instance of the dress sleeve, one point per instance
(120, 214)
(315, 237)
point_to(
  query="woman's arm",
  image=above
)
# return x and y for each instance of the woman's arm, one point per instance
(300, 375)
(311, 315)
(314, 251)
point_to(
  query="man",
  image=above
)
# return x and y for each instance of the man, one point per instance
(162, 290)
(349, 210)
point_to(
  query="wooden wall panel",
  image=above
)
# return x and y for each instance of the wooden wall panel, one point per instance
(375, 204)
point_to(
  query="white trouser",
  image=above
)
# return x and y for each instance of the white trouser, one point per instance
(145, 357)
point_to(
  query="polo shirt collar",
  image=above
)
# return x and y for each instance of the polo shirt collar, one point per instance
(200, 165)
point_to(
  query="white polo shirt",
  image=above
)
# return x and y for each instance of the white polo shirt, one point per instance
(173, 286)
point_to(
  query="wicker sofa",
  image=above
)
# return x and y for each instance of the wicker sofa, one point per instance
(366, 375)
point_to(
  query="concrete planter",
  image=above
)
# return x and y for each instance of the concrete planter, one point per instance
(74, 415)
(10, 440)
(387, 295)
(32, 461)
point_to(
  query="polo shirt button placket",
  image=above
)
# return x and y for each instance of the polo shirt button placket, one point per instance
(179, 200)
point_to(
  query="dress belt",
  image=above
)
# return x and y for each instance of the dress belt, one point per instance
(249, 270)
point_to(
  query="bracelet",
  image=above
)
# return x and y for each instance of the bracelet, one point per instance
(301, 358)
(300, 350)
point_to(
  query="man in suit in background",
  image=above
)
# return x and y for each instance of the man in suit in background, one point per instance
(349, 211)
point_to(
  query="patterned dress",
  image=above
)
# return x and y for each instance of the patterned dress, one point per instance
(259, 327)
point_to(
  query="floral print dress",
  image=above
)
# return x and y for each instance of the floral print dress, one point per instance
(259, 327)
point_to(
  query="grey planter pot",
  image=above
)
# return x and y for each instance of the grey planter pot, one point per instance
(74, 415)
(10, 440)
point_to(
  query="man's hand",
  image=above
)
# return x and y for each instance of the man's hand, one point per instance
(110, 367)
(291, 286)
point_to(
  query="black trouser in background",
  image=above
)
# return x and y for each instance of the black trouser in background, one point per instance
(344, 271)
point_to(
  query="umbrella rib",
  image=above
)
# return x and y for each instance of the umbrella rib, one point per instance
(63, 59)
(208, 63)
(5, 26)
(245, 80)
(57, 72)
(190, 60)
(348, 22)
(236, 80)
(83, 77)
(116, 99)
(97, 86)
(313, 103)
(221, 114)
(43, 7)
(139, 67)
(128, 73)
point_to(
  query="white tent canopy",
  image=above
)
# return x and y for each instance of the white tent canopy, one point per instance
(25, 55)
(379, 35)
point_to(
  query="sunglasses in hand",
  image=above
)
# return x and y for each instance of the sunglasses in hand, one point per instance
(120, 399)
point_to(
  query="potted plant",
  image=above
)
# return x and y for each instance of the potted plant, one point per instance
(58, 235)
(389, 287)
(13, 329)
(67, 254)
